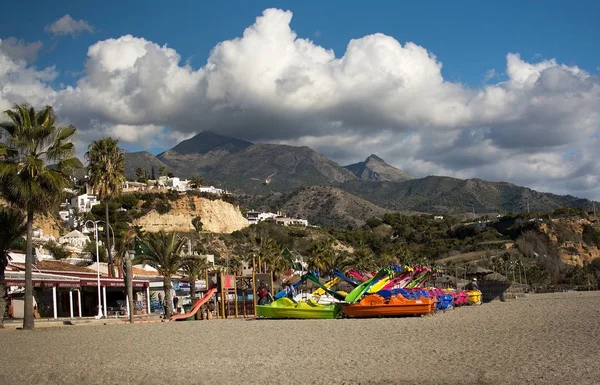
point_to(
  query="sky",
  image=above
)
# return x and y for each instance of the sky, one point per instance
(503, 91)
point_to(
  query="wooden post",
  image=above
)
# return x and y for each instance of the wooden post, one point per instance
(271, 280)
(222, 298)
(235, 296)
(254, 291)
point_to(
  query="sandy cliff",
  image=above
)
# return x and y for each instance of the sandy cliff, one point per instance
(567, 234)
(217, 216)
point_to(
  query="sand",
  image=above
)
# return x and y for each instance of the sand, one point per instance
(539, 339)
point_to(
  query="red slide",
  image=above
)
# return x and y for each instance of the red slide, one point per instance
(197, 306)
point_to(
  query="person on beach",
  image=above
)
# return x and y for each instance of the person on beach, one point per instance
(289, 290)
(175, 302)
(473, 285)
(262, 293)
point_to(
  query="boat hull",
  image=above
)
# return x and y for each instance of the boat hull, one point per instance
(397, 306)
(474, 297)
(286, 308)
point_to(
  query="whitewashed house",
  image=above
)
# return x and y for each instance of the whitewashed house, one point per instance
(177, 184)
(84, 202)
(211, 190)
(74, 239)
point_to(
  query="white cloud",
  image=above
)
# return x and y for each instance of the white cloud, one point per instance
(380, 97)
(18, 49)
(66, 25)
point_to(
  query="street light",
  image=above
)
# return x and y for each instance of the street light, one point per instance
(95, 223)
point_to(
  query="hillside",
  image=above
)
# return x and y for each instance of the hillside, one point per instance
(141, 159)
(445, 195)
(376, 169)
(231, 163)
(321, 205)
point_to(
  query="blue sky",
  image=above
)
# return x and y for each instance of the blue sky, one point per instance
(517, 97)
(469, 37)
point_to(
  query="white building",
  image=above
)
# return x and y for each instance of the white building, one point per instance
(211, 190)
(254, 217)
(84, 202)
(177, 184)
(285, 221)
(74, 239)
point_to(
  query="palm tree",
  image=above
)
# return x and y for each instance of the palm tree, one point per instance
(127, 242)
(165, 256)
(195, 181)
(324, 258)
(34, 173)
(13, 227)
(194, 268)
(106, 169)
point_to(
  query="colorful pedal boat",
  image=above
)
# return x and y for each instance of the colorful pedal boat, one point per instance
(286, 308)
(474, 297)
(376, 306)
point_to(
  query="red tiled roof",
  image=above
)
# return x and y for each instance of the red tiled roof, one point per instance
(56, 266)
(148, 273)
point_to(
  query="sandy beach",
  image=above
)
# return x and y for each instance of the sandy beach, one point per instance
(539, 339)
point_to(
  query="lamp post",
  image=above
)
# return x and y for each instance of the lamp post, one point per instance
(95, 223)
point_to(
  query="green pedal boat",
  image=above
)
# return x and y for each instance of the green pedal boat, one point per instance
(286, 308)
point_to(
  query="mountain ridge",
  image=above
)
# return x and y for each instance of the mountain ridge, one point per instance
(375, 168)
(230, 163)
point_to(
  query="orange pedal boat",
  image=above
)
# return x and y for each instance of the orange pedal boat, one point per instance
(376, 306)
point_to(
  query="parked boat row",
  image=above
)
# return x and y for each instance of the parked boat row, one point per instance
(391, 291)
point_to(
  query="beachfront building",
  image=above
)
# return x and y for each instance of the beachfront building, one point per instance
(66, 290)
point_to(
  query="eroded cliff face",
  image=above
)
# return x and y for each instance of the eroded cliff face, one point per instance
(217, 216)
(49, 225)
(567, 234)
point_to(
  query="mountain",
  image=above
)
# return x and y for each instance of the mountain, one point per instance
(144, 160)
(307, 183)
(207, 141)
(231, 163)
(321, 205)
(438, 194)
(376, 169)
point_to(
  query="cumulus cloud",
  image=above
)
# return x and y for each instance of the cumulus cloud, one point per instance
(66, 25)
(18, 49)
(536, 128)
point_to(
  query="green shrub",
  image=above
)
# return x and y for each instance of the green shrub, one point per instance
(591, 236)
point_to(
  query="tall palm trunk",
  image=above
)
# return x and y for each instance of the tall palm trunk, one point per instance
(167, 286)
(129, 286)
(28, 322)
(2, 294)
(193, 290)
(111, 267)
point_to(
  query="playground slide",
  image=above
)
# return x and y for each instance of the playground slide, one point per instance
(379, 285)
(355, 294)
(319, 292)
(314, 279)
(201, 301)
(356, 275)
(281, 294)
(341, 275)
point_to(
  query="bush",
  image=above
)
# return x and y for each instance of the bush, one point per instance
(163, 207)
(374, 222)
(197, 223)
(591, 236)
(58, 251)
